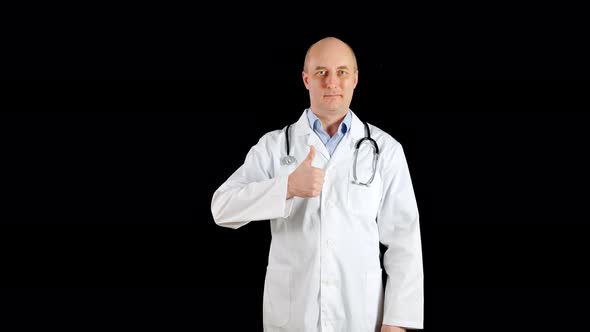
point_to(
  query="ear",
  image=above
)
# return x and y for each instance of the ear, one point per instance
(305, 77)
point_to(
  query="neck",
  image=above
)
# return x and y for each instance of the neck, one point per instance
(331, 122)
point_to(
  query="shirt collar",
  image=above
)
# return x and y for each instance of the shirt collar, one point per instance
(316, 124)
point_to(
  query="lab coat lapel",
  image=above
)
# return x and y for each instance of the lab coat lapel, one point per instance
(357, 129)
(314, 140)
(346, 147)
(303, 129)
(357, 132)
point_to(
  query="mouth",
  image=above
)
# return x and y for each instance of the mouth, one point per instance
(332, 95)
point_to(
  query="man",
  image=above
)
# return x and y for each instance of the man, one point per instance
(329, 211)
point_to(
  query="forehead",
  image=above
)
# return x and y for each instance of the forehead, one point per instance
(331, 55)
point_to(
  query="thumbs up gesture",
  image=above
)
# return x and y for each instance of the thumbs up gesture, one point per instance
(306, 180)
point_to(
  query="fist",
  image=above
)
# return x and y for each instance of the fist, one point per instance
(306, 180)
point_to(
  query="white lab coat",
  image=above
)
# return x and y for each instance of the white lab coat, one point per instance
(323, 270)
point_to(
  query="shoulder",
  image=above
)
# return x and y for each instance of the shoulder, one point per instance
(269, 140)
(391, 152)
(271, 137)
(385, 141)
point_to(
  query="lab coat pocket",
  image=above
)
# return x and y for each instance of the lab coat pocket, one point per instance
(277, 297)
(374, 299)
(364, 200)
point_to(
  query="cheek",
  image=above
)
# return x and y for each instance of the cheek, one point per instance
(348, 83)
(349, 86)
(316, 88)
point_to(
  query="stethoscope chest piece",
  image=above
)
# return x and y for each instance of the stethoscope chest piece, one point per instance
(288, 160)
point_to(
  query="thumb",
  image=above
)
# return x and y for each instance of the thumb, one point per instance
(310, 155)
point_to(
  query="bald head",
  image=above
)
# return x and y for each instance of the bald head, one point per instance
(328, 44)
(330, 75)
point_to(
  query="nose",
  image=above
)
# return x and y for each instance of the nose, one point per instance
(332, 80)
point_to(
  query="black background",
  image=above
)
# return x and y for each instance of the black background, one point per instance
(107, 184)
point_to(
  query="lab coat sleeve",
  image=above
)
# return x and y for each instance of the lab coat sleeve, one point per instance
(250, 193)
(399, 232)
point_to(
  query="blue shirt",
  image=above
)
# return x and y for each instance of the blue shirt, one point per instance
(329, 142)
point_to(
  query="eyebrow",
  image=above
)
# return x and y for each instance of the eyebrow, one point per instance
(325, 68)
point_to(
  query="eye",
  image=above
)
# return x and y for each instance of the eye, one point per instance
(321, 72)
(342, 72)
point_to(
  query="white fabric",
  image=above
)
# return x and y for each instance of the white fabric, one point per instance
(323, 269)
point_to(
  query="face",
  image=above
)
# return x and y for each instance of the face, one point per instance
(331, 77)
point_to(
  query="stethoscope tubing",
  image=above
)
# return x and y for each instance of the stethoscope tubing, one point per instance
(287, 160)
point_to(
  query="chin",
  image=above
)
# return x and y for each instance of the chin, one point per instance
(337, 109)
(333, 108)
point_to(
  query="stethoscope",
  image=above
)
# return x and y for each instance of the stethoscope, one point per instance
(289, 159)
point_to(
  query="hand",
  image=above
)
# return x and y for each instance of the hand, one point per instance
(390, 328)
(306, 180)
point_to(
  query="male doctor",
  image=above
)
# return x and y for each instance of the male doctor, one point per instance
(329, 210)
